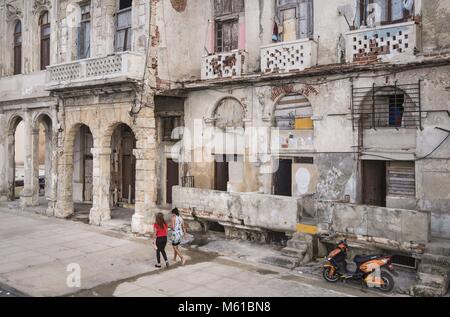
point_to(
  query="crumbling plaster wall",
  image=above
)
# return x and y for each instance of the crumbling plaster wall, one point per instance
(403, 228)
(436, 23)
(240, 209)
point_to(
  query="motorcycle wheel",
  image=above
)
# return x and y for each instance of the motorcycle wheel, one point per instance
(389, 282)
(329, 279)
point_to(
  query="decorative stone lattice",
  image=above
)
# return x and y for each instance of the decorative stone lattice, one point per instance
(104, 66)
(65, 72)
(370, 45)
(224, 65)
(288, 56)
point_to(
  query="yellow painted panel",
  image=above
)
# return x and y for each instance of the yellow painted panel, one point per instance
(304, 124)
(307, 229)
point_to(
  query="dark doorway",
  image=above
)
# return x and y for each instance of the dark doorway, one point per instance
(123, 165)
(172, 178)
(283, 179)
(221, 174)
(129, 177)
(374, 183)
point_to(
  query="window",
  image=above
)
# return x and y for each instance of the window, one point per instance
(169, 124)
(44, 24)
(295, 19)
(294, 112)
(227, 14)
(401, 179)
(386, 11)
(84, 32)
(18, 48)
(123, 26)
(396, 106)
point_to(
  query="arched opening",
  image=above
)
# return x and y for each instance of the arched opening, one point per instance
(18, 48)
(229, 145)
(16, 149)
(389, 107)
(123, 173)
(293, 119)
(43, 163)
(44, 28)
(83, 167)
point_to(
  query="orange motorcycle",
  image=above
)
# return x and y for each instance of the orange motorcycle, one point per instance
(373, 271)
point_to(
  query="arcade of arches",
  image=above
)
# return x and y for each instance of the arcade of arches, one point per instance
(102, 162)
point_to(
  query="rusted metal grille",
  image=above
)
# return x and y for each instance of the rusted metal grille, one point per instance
(187, 181)
(396, 106)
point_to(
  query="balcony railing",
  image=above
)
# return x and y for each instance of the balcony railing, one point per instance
(384, 43)
(224, 65)
(116, 67)
(288, 56)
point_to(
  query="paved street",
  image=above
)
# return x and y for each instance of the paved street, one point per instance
(36, 252)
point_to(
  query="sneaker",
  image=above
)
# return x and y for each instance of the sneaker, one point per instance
(158, 266)
(167, 264)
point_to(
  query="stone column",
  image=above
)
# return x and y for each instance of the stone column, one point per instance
(28, 185)
(52, 176)
(64, 205)
(146, 182)
(3, 159)
(145, 190)
(11, 167)
(101, 210)
(34, 200)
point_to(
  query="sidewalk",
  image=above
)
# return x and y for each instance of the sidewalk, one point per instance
(35, 252)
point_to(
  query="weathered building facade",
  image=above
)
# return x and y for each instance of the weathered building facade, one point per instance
(263, 116)
(81, 68)
(305, 112)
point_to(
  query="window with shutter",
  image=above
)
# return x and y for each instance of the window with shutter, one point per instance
(227, 24)
(84, 32)
(295, 19)
(18, 48)
(44, 23)
(123, 26)
(401, 179)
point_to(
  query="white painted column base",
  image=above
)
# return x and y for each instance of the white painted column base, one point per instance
(142, 224)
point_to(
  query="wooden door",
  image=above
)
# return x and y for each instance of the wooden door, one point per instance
(374, 183)
(172, 179)
(221, 175)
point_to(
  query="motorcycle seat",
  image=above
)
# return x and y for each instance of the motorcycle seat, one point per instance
(359, 259)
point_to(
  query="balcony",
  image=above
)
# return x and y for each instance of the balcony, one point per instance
(288, 57)
(115, 68)
(224, 65)
(390, 43)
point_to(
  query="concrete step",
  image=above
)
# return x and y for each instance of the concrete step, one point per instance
(434, 259)
(299, 245)
(281, 261)
(295, 253)
(434, 281)
(426, 291)
(434, 269)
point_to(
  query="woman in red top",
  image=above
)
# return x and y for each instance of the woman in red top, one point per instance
(161, 230)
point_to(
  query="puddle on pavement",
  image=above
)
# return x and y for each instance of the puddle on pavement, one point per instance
(197, 256)
(108, 289)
